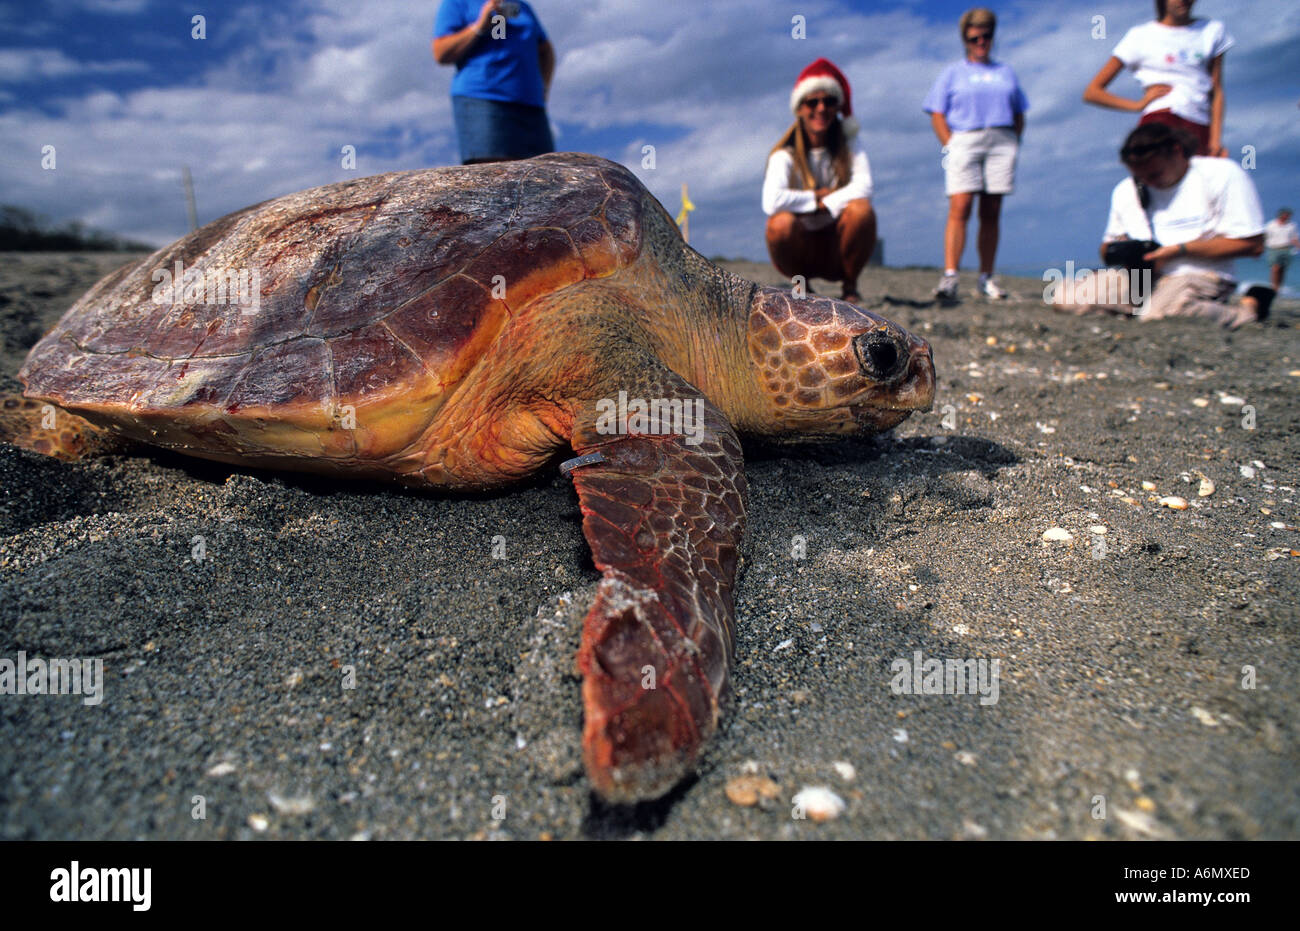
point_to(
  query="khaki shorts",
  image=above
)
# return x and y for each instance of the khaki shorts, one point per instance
(982, 160)
(1192, 295)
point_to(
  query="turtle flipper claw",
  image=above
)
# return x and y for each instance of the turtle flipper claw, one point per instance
(664, 518)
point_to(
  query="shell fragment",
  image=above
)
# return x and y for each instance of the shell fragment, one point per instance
(819, 803)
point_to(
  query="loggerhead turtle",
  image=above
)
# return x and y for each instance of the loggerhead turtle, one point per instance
(457, 327)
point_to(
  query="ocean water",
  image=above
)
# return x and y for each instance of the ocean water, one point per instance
(1254, 271)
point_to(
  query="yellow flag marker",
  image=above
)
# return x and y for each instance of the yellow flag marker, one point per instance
(683, 218)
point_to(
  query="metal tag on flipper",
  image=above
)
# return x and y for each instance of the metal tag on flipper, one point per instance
(570, 464)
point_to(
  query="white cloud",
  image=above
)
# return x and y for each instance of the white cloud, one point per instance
(706, 84)
(38, 64)
(119, 7)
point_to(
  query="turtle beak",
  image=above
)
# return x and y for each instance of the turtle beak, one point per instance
(920, 377)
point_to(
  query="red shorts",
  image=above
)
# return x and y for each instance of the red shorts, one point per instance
(1198, 132)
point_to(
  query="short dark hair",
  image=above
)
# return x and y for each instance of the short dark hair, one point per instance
(1157, 136)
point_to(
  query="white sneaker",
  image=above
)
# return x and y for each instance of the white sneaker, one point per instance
(990, 289)
(947, 289)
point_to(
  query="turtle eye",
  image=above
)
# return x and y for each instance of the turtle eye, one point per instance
(881, 357)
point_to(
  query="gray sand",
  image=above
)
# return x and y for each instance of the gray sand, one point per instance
(1121, 665)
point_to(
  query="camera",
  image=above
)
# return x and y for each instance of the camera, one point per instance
(1127, 253)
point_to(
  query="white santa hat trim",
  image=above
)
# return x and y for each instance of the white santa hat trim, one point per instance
(821, 82)
(825, 83)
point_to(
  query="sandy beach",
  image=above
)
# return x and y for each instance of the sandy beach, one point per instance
(315, 659)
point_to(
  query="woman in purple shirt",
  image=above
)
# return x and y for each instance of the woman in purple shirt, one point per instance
(978, 112)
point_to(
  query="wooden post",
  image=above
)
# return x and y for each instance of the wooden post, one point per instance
(189, 197)
(684, 218)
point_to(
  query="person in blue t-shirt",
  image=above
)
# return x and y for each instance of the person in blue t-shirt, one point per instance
(978, 112)
(504, 64)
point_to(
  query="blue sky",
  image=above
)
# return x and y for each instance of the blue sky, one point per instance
(264, 105)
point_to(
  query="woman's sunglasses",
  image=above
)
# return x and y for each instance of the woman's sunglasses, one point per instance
(812, 103)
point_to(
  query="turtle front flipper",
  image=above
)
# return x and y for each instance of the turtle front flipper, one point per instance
(664, 513)
(52, 431)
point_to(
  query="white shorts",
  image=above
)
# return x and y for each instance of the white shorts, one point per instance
(981, 160)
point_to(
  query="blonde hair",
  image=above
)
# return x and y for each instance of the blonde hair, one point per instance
(796, 141)
(978, 16)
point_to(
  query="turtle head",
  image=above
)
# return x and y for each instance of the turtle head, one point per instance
(829, 367)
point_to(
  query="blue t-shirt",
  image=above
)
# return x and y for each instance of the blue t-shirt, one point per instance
(496, 69)
(975, 96)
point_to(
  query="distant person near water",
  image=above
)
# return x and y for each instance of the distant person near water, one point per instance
(504, 64)
(977, 110)
(817, 189)
(1179, 62)
(1281, 238)
(1201, 213)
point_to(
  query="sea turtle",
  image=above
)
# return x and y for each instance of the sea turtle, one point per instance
(459, 327)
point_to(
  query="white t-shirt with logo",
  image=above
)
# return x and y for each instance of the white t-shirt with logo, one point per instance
(1176, 55)
(1214, 198)
(1279, 235)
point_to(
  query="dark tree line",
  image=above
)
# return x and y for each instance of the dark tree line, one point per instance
(23, 230)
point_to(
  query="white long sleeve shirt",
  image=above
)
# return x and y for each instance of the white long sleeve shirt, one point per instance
(783, 187)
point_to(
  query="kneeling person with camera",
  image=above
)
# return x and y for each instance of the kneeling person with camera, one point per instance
(1186, 217)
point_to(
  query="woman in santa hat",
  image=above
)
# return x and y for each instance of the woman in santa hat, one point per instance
(817, 191)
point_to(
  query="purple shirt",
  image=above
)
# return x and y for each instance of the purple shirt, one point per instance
(974, 96)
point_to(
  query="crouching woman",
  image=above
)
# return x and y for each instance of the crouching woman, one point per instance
(817, 190)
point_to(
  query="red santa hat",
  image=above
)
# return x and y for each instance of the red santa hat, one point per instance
(822, 75)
